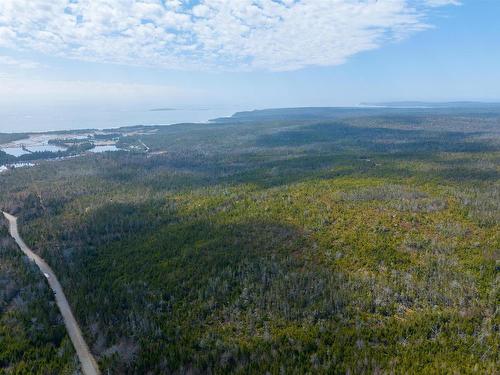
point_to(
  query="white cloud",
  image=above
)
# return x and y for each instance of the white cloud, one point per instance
(214, 34)
(18, 63)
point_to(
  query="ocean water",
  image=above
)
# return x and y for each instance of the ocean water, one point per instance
(18, 151)
(41, 120)
(14, 151)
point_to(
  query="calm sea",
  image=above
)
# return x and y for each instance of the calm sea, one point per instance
(47, 120)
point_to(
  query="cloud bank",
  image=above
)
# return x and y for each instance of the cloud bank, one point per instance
(275, 35)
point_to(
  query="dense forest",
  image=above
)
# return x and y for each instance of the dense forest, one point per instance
(33, 339)
(275, 242)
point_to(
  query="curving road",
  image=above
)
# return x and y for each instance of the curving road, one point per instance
(89, 364)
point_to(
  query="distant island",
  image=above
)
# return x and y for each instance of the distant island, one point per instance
(162, 109)
(177, 109)
(418, 104)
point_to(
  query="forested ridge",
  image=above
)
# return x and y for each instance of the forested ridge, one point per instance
(309, 245)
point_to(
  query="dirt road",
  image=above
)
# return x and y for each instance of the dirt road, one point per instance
(89, 364)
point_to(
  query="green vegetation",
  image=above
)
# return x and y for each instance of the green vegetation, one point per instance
(33, 339)
(308, 245)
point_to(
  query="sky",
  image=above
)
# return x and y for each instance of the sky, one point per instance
(86, 55)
